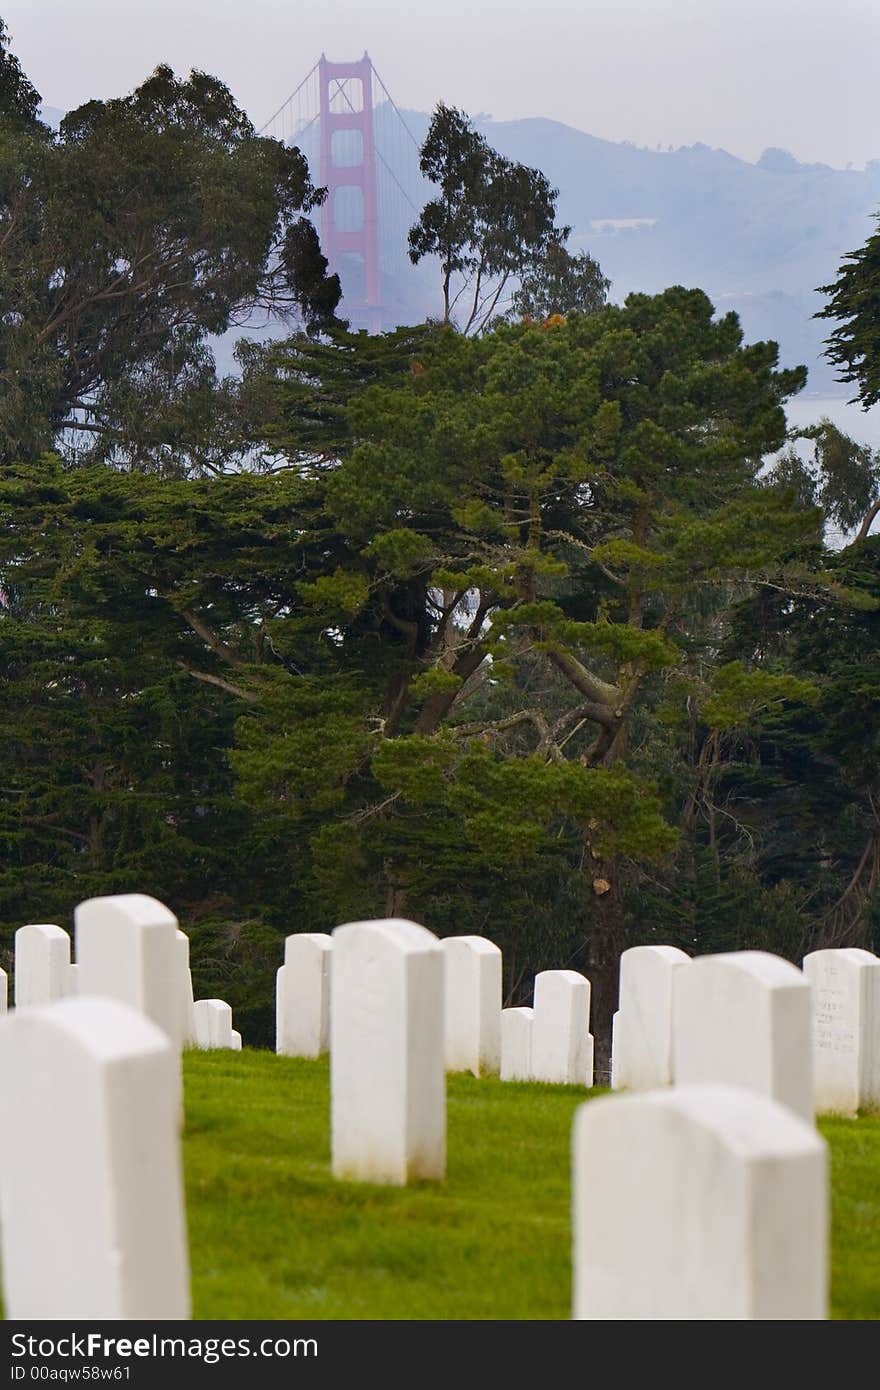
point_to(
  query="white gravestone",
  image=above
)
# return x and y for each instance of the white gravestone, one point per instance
(695, 1203)
(846, 1023)
(91, 1188)
(641, 1056)
(42, 965)
(212, 1019)
(4, 991)
(745, 1019)
(302, 996)
(473, 1004)
(516, 1044)
(562, 1047)
(127, 949)
(187, 1021)
(387, 1075)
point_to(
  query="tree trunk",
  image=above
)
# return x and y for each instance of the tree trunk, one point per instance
(606, 945)
(395, 894)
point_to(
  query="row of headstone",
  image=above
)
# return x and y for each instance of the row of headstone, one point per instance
(471, 991)
(90, 1068)
(742, 1019)
(695, 1202)
(809, 1039)
(551, 1042)
(405, 1008)
(691, 1203)
(129, 948)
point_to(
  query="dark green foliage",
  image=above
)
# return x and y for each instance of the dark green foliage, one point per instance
(397, 671)
(147, 224)
(19, 99)
(544, 499)
(561, 283)
(790, 803)
(854, 301)
(116, 772)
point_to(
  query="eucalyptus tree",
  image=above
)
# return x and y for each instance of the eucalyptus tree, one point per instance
(490, 222)
(148, 224)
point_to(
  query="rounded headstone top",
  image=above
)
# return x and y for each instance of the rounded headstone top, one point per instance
(130, 909)
(397, 931)
(771, 970)
(672, 954)
(481, 944)
(853, 955)
(102, 1028)
(47, 930)
(746, 1122)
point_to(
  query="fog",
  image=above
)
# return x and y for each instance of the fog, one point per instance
(739, 74)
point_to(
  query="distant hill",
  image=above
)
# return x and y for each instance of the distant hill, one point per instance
(758, 238)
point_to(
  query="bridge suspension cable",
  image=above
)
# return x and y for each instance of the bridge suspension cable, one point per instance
(294, 94)
(365, 221)
(396, 109)
(379, 153)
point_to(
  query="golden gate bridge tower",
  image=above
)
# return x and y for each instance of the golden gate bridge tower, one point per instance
(341, 177)
(360, 149)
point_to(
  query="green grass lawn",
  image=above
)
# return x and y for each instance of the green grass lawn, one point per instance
(272, 1235)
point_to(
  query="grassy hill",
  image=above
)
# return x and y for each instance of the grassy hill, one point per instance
(272, 1235)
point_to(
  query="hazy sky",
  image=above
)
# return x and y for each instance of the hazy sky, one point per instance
(741, 74)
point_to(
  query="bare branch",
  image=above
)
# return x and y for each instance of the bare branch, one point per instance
(369, 812)
(246, 695)
(499, 726)
(867, 522)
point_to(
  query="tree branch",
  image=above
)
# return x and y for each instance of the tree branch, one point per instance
(202, 630)
(598, 713)
(866, 523)
(407, 626)
(231, 689)
(492, 306)
(499, 726)
(593, 687)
